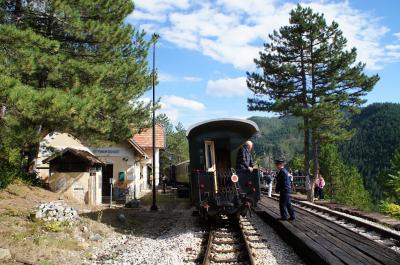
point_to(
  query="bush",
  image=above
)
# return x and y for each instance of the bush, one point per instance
(391, 209)
(55, 226)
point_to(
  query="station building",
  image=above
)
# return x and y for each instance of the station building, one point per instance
(67, 166)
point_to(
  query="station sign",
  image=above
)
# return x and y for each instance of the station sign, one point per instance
(112, 151)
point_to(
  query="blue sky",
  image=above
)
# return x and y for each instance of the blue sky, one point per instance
(207, 46)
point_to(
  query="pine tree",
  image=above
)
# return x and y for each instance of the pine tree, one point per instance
(177, 145)
(71, 66)
(306, 71)
(344, 184)
(393, 178)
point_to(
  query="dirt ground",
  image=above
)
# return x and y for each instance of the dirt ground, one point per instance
(35, 243)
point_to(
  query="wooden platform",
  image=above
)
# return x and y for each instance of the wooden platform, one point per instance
(319, 241)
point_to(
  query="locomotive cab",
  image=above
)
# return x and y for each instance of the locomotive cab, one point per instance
(217, 188)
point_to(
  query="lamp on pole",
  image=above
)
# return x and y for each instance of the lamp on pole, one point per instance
(154, 207)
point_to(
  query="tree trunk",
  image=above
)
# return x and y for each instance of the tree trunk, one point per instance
(32, 155)
(315, 152)
(307, 156)
(33, 152)
(306, 127)
(3, 112)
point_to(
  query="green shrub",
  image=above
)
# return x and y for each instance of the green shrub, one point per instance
(55, 226)
(391, 209)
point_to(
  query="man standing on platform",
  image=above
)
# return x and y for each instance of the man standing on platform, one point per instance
(283, 187)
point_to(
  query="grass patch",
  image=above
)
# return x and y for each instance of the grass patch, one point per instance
(65, 244)
(11, 212)
(55, 226)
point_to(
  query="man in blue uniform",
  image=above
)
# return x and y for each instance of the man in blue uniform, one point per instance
(244, 160)
(283, 187)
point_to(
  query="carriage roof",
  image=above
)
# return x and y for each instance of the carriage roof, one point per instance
(245, 128)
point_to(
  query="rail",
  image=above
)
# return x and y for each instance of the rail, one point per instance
(228, 244)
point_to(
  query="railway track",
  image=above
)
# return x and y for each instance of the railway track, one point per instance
(232, 243)
(372, 231)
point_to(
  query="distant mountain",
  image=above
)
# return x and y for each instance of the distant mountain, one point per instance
(278, 137)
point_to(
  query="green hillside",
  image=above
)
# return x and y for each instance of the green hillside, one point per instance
(278, 137)
(374, 144)
(372, 147)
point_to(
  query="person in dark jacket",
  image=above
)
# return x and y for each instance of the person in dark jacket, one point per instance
(283, 187)
(244, 161)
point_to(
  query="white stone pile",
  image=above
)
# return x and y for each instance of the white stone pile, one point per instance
(57, 211)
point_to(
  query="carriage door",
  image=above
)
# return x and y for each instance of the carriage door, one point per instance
(210, 161)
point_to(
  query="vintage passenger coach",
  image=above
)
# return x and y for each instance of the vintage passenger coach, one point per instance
(217, 188)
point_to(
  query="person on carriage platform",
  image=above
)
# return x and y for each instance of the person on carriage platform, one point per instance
(283, 187)
(244, 161)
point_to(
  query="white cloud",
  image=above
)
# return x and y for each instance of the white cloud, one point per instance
(180, 109)
(232, 31)
(227, 87)
(176, 107)
(156, 10)
(192, 78)
(392, 47)
(397, 34)
(165, 77)
(181, 102)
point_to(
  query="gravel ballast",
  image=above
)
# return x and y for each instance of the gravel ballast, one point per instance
(182, 244)
(179, 245)
(273, 250)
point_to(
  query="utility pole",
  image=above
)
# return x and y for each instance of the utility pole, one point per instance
(154, 207)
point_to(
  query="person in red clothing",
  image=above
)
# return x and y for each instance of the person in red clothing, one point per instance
(316, 188)
(321, 185)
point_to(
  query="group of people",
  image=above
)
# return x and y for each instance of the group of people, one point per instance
(267, 178)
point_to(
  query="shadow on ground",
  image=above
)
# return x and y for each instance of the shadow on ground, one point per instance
(141, 221)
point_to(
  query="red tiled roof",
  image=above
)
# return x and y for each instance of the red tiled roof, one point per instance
(137, 147)
(145, 138)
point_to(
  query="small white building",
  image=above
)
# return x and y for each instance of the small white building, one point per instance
(128, 164)
(77, 174)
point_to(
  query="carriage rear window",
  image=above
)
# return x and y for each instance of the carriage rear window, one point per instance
(210, 162)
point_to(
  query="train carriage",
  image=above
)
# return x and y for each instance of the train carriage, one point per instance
(216, 187)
